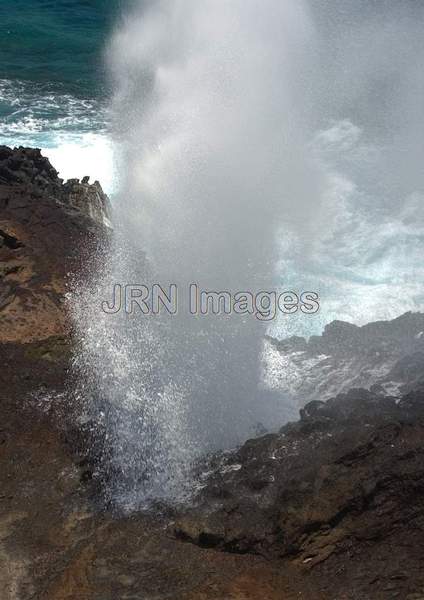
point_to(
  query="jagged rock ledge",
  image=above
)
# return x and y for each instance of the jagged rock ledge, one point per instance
(27, 167)
(386, 357)
(48, 229)
(340, 493)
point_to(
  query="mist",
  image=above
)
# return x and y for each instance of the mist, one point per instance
(210, 113)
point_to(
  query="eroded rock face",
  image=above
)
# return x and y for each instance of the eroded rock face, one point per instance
(47, 230)
(89, 199)
(348, 477)
(386, 357)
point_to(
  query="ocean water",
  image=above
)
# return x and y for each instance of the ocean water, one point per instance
(53, 84)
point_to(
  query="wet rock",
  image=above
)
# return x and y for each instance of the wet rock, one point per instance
(348, 475)
(386, 357)
(89, 199)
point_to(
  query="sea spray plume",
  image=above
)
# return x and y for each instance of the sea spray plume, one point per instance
(209, 110)
(130, 407)
(217, 107)
(208, 115)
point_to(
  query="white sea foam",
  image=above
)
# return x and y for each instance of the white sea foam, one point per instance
(71, 131)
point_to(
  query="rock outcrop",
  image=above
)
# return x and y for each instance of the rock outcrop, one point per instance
(339, 493)
(386, 357)
(89, 199)
(47, 230)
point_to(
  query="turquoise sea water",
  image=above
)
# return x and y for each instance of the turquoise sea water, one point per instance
(53, 83)
(55, 42)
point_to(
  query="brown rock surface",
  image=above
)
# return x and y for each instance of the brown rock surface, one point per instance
(44, 235)
(340, 493)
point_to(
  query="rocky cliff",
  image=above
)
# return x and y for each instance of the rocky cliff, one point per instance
(328, 508)
(386, 357)
(339, 493)
(47, 230)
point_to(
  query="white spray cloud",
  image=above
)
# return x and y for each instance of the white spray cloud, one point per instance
(210, 112)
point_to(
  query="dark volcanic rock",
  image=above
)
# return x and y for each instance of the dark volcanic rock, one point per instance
(47, 230)
(88, 198)
(27, 167)
(349, 476)
(385, 356)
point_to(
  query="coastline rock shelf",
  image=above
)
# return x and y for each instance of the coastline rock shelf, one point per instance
(329, 508)
(345, 482)
(386, 357)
